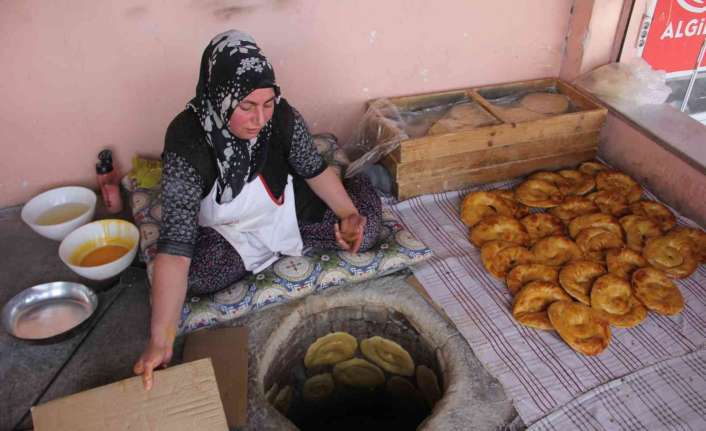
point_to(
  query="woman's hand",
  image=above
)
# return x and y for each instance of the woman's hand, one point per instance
(349, 232)
(155, 355)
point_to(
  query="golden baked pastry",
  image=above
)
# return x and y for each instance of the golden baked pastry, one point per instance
(477, 205)
(656, 212)
(545, 103)
(638, 229)
(388, 355)
(539, 225)
(603, 221)
(611, 294)
(523, 274)
(498, 227)
(579, 183)
(462, 117)
(596, 256)
(330, 349)
(318, 387)
(573, 206)
(597, 239)
(577, 277)
(553, 178)
(622, 262)
(529, 306)
(499, 257)
(697, 237)
(635, 315)
(618, 181)
(359, 373)
(592, 168)
(509, 195)
(555, 251)
(428, 384)
(610, 202)
(583, 328)
(283, 400)
(538, 194)
(672, 254)
(657, 292)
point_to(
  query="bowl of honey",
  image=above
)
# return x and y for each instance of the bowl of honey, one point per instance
(56, 212)
(100, 250)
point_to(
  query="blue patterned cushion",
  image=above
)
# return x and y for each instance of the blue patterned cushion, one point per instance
(287, 279)
(294, 277)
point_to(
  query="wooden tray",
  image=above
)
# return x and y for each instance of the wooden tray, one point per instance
(436, 163)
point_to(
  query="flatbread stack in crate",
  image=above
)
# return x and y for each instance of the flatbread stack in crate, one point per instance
(580, 251)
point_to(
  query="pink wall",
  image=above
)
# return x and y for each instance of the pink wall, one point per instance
(593, 28)
(82, 75)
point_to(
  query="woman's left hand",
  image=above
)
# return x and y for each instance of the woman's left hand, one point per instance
(349, 232)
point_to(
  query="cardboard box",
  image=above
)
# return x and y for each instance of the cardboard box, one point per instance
(228, 350)
(451, 161)
(184, 398)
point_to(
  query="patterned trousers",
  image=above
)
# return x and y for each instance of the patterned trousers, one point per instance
(216, 265)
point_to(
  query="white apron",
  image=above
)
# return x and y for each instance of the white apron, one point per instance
(259, 228)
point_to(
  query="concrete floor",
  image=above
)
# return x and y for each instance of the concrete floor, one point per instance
(98, 353)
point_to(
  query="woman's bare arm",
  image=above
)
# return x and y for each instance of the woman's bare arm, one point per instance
(168, 293)
(349, 232)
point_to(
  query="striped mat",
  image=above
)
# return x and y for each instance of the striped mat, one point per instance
(650, 377)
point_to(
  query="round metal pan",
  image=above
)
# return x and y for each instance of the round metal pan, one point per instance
(48, 310)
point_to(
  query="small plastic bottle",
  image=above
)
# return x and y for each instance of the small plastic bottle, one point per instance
(109, 182)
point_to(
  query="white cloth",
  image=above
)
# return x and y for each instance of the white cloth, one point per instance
(258, 227)
(538, 370)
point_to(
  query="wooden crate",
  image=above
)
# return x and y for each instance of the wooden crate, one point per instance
(451, 161)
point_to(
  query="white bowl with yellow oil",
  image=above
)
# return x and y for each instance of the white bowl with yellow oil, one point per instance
(56, 212)
(101, 249)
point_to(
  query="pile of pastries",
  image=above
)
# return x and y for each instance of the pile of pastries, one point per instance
(592, 254)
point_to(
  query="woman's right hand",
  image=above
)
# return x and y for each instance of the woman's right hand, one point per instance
(155, 354)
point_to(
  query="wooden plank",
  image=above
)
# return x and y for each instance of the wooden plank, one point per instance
(579, 98)
(491, 173)
(228, 350)
(499, 90)
(425, 100)
(429, 147)
(391, 163)
(450, 165)
(488, 107)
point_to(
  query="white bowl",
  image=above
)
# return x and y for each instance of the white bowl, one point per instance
(40, 204)
(79, 243)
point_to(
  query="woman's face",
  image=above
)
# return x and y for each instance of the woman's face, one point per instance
(252, 113)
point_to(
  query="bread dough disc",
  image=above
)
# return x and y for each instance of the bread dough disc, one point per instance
(520, 115)
(461, 117)
(545, 103)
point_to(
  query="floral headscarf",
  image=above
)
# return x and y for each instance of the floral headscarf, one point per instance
(232, 66)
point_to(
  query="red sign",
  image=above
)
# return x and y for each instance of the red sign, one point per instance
(676, 34)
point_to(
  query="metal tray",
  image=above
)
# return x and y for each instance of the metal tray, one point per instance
(47, 310)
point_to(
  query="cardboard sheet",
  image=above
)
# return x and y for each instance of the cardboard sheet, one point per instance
(184, 397)
(228, 349)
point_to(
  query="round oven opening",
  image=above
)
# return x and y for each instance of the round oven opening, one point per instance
(356, 368)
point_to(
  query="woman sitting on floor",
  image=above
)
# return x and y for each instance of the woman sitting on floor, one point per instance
(239, 170)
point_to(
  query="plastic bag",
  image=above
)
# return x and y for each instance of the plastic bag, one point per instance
(327, 146)
(627, 84)
(145, 173)
(383, 126)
